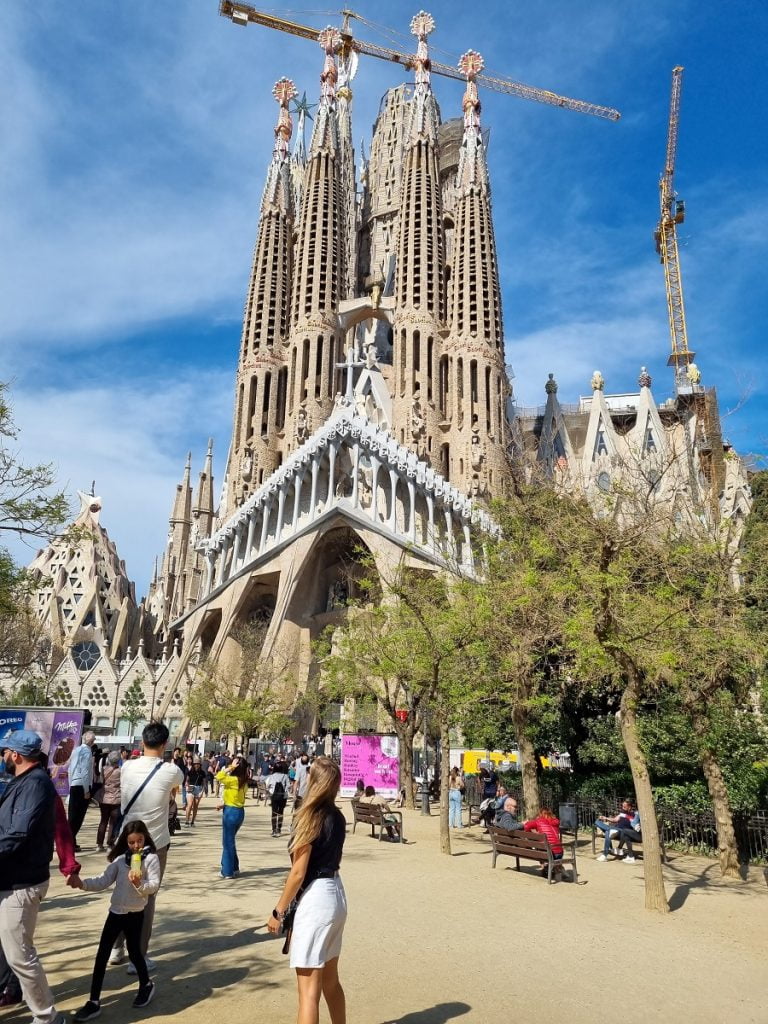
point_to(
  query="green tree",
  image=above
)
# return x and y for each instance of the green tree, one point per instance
(134, 703)
(249, 698)
(28, 508)
(411, 650)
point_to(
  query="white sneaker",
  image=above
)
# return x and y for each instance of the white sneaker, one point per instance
(151, 966)
(117, 956)
(629, 860)
(602, 856)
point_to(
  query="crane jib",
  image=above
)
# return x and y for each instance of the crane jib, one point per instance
(241, 14)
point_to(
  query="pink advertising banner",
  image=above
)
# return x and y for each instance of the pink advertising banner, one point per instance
(59, 730)
(374, 759)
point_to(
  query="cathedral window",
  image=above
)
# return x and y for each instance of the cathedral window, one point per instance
(85, 655)
(319, 366)
(488, 398)
(601, 448)
(604, 482)
(265, 405)
(304, 367)
(430, 356)
(282, 384)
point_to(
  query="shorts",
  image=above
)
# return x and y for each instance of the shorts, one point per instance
(195, 791)
(319, 923)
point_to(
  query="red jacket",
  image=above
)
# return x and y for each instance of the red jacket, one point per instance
(63, 841)
(550, 827)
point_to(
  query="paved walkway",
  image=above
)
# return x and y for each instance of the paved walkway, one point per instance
(430, 939)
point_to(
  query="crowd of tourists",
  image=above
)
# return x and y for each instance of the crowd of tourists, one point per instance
(137, 796)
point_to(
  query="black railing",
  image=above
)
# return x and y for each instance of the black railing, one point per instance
(681, 829)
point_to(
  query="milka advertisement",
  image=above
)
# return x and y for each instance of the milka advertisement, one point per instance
(374, 759)
(59, 730)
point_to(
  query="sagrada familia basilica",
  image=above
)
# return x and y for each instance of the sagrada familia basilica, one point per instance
(372, 408)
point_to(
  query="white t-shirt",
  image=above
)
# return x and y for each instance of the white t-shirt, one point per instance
(152, 805)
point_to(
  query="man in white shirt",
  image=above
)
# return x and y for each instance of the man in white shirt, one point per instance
(151, 807)
(302, 781)
(80, 772)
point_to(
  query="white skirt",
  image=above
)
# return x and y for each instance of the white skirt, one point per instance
(319, 923)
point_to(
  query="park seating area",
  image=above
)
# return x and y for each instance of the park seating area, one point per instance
(378, 818)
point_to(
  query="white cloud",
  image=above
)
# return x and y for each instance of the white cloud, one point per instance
(132, 436)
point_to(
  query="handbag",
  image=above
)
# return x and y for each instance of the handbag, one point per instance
(118, 825)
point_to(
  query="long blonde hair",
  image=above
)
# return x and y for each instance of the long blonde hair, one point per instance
(324, 783)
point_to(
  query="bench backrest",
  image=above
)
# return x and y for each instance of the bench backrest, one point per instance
(504, 840)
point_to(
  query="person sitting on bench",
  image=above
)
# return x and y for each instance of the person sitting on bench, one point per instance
(507, 817)
(390, 821)
(626, 837)
(610, 826)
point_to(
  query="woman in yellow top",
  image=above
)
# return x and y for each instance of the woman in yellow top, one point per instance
(234, 786)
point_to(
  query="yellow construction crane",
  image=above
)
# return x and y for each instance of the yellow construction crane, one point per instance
(242, 14)
(673, 213)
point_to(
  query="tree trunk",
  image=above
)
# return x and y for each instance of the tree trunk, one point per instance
(527, 763)
(655, 894)
(405, 732)
(727, 850)
(445, 771)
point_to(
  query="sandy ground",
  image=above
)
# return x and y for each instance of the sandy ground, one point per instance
(430, 939)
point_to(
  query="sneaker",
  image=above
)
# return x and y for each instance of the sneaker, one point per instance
(602, 856)
(117, 956)
(145, 995)
(226, 877)
(629, 859)
(91, 1009)
(100, 849)
(151, 966)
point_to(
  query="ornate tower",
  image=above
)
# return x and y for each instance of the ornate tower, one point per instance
(473, 385)
(419, 278)
(319, 278)
(262, 376)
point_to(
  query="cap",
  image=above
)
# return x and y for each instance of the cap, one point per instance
(24, 742)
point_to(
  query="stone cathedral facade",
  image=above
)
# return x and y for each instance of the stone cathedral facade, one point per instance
(371, 407)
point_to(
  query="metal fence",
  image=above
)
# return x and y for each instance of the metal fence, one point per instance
(681, 829)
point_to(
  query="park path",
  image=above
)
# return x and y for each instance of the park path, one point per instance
(430, 939)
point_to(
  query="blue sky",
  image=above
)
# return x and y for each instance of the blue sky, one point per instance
(136, 138)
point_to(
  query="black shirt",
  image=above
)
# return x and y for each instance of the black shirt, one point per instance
(325, 856)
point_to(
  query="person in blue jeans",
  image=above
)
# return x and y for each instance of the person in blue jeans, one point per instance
(610, 826)
(455, 791)
(234, 785)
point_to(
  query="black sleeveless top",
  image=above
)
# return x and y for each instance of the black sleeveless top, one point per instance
(325, 855)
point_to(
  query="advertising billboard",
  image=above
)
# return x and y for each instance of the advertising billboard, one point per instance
(374, 759)
(59, 729)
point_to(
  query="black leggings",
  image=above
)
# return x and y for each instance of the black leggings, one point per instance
(278, 808)
(128, 925)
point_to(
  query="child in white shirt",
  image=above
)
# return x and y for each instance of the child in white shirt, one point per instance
(134, 870)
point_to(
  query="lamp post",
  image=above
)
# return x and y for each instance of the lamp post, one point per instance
(425, 770)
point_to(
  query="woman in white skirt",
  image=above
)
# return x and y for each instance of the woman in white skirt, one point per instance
(315, 847)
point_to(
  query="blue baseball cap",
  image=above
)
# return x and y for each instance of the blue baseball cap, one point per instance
(24, 742)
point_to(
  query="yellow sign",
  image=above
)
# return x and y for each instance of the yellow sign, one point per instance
(472, 760)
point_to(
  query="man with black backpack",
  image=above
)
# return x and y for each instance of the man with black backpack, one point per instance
(277, 786)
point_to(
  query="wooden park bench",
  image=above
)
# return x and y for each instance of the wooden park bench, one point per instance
(532, 846)
(377, 817)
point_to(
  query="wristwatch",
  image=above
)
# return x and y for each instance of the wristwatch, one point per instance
(278, 915)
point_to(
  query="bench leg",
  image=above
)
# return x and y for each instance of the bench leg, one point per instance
(517, 859)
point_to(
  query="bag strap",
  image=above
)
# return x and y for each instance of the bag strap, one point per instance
(140, 790)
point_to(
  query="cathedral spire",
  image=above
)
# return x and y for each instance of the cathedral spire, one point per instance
(476, 347)
(320, 255)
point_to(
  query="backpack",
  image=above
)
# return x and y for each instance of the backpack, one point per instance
(278, 793)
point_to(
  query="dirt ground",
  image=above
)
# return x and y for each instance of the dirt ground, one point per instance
(430, 939)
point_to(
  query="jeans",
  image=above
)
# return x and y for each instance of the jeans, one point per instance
(18, 916)
(231, 820)
(454, 808)
(606, 827)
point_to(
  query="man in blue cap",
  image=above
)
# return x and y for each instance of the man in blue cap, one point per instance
(27, 824)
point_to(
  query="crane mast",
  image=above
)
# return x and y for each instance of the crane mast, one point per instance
(672, 214)
(242, 14)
